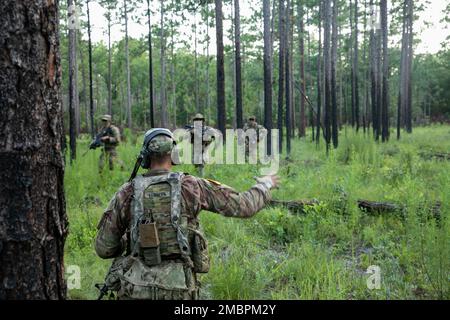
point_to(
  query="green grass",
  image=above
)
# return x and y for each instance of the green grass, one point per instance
(323, 254)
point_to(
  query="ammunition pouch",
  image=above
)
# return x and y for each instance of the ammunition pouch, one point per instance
(200, 256)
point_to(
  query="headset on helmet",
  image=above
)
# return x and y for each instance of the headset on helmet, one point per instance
(144, 156)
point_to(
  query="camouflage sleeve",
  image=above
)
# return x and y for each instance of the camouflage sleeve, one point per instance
(116, 135)
(215, 197)
(113, 224)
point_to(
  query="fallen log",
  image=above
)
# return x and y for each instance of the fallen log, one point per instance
(433, 211)
(294, 206)
(378, 207)
(435, 155)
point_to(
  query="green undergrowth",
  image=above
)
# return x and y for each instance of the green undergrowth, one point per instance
(321, 254)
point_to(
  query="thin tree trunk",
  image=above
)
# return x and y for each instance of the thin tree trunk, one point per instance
(301, 30)
(267, 74)
(109, 65)
(281, 62)
(221, 115)
(127, 61)
(196, 89)
(409, 66)
(237, 42)
(355, 70)
(173, 67)
(150, 69)
(385, 92)
(73, 83)
(327, 63)
(287, 74)
(208, 96)
(33, 220)
(334, 105)
(319, 77)
(91, 92)
(164, 120)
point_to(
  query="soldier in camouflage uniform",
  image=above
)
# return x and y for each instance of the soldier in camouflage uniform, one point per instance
(110, 141)
(252, 124)
(207, 139)
(152, 230)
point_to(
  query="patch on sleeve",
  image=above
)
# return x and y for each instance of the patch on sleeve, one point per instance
(214, 182)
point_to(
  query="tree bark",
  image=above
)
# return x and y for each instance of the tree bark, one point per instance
(301, 30)
(237, 41)
(109, 64)
(267, 74)
(281, 17)
(127, 62)
(327, 63)
(385, 92)
(33, 221)
(91, 89)
(150, 69)
(73, 81)
(334, 104)
(221, 116)
(288, 79)
(319, 77)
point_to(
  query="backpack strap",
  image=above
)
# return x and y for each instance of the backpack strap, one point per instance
(174, 180)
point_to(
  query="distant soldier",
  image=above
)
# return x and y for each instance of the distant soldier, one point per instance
(252, 124)
(152, 230)
(110, 138)
(207, 137)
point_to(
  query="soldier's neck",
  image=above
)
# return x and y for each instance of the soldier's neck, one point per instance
(167, 166)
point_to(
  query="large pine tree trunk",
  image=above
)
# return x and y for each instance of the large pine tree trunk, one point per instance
(150, 69)
(33, 221)
(355, 67)
(221, 116)
(73, 81)
(237, 44)
(267, 74)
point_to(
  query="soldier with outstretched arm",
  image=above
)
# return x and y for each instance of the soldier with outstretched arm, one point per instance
(151, 224)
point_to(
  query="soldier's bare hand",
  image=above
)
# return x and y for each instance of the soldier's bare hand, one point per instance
(104, 139)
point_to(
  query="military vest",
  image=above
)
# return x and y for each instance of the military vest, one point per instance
(167, 247)
(159, 228)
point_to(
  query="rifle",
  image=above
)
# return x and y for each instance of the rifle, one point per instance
(97, 141)
(105, 287)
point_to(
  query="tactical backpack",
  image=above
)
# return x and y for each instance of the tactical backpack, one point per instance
(167, 248)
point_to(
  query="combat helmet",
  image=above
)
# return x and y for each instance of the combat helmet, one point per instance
(106, 117)
(198, 116)
(156, 141)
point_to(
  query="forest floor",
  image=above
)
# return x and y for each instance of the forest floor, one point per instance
(323, 253)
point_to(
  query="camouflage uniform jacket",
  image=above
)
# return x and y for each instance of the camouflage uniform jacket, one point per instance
(114, 138)
(207, 135)
(197, 195)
